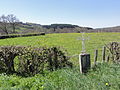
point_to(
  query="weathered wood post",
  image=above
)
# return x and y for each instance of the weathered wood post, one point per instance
(84, 58)
(103, 53)
(95, 58)
(108, 58)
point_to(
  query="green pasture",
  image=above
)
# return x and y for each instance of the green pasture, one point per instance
(68, 41)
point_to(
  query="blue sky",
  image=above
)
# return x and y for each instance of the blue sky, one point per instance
(91, 13)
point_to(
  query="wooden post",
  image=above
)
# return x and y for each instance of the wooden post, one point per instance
(84, 61)
(95, 58)
(108, 58)
(103, 53)
(50, 62)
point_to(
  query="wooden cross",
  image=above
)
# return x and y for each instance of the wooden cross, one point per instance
(83, 38)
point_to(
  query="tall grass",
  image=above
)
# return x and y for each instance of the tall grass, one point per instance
(104, 77)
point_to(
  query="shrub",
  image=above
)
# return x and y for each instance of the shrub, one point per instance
(114, 51)
(32, 60)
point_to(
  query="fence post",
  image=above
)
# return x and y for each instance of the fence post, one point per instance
(108, 58)
(95, 57)
(103, 53)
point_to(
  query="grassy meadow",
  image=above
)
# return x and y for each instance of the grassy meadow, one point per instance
(68, 41)
(105, 77)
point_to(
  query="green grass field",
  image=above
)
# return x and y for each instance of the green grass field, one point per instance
(68, 41)
(105, 77)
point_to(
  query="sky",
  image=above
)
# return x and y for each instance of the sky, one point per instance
(87, 13)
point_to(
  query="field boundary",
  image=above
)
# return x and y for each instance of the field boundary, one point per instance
(21, 35)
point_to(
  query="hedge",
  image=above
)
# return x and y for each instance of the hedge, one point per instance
(32, 60)
(20, 35)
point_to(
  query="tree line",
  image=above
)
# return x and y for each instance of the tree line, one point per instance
(8, 22)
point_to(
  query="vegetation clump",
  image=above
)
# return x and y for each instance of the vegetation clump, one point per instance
(114, 51)
(32, 60)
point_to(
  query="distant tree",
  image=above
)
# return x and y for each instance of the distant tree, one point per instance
(61, 26)
(13, 21)
(4, 24)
